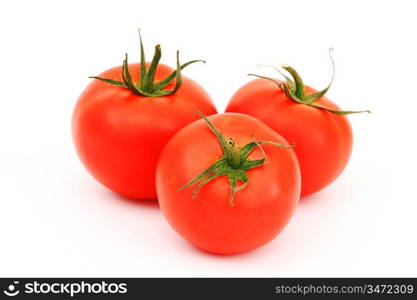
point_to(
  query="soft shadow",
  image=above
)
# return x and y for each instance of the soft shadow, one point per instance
(149, 203)
(315, 197)
(225, 257)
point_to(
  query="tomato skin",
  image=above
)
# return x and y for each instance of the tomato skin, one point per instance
(118, 135)
(323, 140)
(260, 211)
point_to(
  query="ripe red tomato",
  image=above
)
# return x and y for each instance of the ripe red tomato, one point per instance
(122, 121)
(223, 187)
(319, 129)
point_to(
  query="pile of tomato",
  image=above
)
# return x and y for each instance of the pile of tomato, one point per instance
(228, 183)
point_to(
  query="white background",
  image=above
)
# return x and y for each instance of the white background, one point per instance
(55, 220)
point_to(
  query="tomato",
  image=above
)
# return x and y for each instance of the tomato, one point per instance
(225, 185)
(122, 121)
(319, 129)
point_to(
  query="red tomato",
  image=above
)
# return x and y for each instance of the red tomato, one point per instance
(119, 134)
(242, 203)
(320, 131)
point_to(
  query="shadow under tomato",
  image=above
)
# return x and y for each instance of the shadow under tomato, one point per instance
(315, 197)
(310, 198)
(219, 256)
(149, 203)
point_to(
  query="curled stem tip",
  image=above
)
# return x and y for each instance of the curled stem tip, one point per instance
(294, 87)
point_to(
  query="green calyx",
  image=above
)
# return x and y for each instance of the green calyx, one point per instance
(147, 86)
(294, 89)
(233, 163)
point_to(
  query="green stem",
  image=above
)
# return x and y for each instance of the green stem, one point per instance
(147, 86)
(142, 61)
(150, 75)
(299, 85)
(295, 90)
(233, 163)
